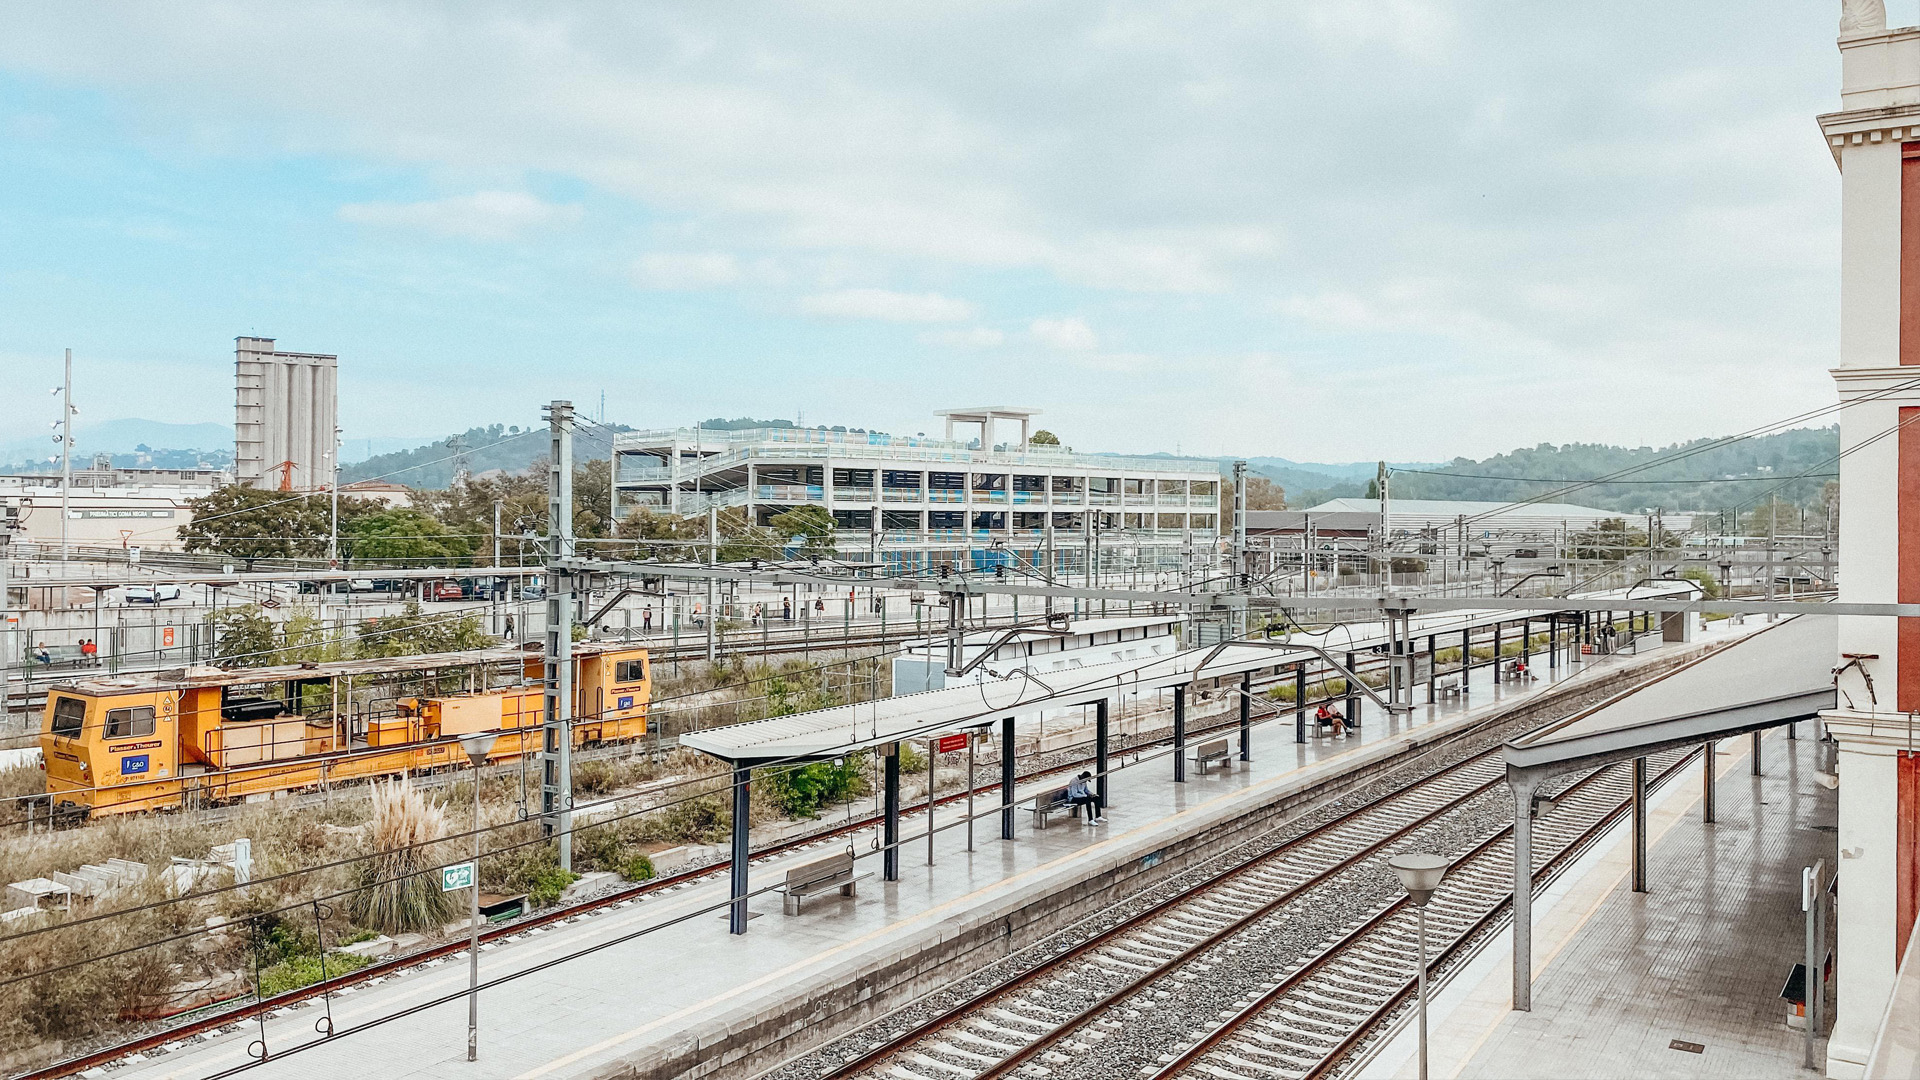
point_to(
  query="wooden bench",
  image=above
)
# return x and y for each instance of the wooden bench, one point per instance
(1049, 803)
(1217, 752)
(832, 872)
(1447, 685)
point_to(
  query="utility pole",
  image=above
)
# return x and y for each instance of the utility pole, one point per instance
(66, 452)
(333, 528)
(954, 633)
(713, 559)
(1240, 573)
(495, 587)
(556, 736)
(1381, 479)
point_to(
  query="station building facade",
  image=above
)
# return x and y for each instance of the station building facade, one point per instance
(914, 501)
(1875, 142)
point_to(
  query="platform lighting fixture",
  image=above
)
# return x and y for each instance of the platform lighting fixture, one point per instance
(1543, 805)
(1420, 875)
(477, 745)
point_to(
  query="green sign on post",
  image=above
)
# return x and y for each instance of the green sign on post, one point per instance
(455, 878)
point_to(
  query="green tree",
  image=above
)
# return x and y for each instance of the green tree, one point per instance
(244, 637)
(403, 538)
(808, 527)
(593, 499)
(412, 633)
(1043, 437)
(250, 523)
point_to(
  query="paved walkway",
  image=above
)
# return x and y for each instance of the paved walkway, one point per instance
(1699, 958)
(683, 969)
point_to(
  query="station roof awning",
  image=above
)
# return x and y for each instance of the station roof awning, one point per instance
(1774, 676)
(829, 733)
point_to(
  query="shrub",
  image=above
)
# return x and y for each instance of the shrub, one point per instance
(305, 970)
(801, 790)
(638, 868)
(398, 892)
(545, 887)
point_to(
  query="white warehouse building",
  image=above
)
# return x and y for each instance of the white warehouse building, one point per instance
(917, 502)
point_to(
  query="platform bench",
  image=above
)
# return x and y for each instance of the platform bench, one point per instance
(1049, 803)
(1217, 752)
(1447, 684)
(832, 872)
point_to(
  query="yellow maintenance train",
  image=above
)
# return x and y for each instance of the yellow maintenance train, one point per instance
(203, 736)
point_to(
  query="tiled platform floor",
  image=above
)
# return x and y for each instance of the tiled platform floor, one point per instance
(1700, 957)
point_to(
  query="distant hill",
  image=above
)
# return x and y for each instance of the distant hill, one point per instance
(486, 449)
(1700, 476)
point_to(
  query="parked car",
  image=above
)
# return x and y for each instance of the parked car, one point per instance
(532, 589)
(152, 594)
(445, 590)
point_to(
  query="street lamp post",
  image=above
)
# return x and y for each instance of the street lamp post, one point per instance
(1421, 874)
(477, 746)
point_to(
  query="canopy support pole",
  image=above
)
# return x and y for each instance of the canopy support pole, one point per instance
(737, 869)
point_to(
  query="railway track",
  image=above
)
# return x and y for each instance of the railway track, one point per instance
(1066, 1015)
(228, 1015)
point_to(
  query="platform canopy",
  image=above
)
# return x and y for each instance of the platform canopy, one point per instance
(1774, 676)
(830, 733)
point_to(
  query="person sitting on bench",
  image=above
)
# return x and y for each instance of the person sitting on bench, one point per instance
(1330, 715)
(1081, 793)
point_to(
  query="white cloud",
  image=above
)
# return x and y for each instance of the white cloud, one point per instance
(484, 215)
(1072, 334)
(884, 305)
(686, 270)
(978, 337)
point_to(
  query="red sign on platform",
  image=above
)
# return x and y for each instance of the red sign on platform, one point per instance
(949, 743)
(166, 636)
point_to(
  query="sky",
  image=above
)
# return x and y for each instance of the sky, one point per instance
(1318, 231)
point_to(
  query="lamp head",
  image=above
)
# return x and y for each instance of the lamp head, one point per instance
(478, 745)
(1420, 874)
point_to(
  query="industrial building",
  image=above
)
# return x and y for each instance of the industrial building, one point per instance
(285, 417)
(914, 501)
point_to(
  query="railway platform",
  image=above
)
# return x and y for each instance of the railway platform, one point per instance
(659, 986)
(1682, 980)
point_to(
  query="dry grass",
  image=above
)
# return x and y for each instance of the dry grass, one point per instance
(397, 894)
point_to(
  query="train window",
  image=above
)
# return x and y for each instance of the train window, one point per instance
(630, 671)
(124, 723)
(69, 717)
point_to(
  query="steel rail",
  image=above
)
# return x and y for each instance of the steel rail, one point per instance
(1349, 941)
(380, 969)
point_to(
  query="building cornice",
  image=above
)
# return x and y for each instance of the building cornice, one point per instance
(1873, 732)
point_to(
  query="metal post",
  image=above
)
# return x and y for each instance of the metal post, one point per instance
(66, 452)
(955, 652)
(1246, 716)
(1006, 778)
(973, 737)
(1100, 751)
(737, 867)
(1756, 753)
(1300, 702)
(473, 933)
(1180, 734)
(1522, 786)
(1433, 668)
(1706, 782)
(556, 747)
(890, 817)
(1353, 695)
(1422, 978)
(1466, 658)
(1496, 655)
(1640, 824)
(713, 559)
(933, 750)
